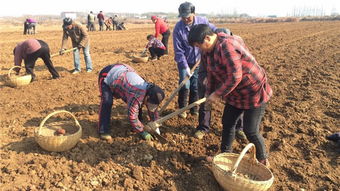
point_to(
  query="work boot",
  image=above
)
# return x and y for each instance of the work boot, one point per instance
(194, 111)
(105, 136)
(183, 115)
(75, 72)
(240, 135)
(199, 134)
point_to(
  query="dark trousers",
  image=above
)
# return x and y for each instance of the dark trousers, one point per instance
(156, 52)
(44, 54)
(251, 119)
(106, 101)
(204, 113)
(101, 25)
(165, 40)
(29, 28)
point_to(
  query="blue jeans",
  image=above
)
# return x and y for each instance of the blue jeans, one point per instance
(106, 101)
(191, 85)
(251, 126)
(87, 57)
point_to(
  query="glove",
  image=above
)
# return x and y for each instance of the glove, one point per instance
(158, 131)
(188, 72)
(61, 51)
(144, 51)
(146, 136)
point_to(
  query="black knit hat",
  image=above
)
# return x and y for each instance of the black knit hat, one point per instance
(67, 21)
(155, 93)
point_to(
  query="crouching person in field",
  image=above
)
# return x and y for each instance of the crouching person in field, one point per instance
(30, 50)
(121, 81)
(155, 47)
(236, 77)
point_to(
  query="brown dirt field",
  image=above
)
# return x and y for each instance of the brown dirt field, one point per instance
(302, 61)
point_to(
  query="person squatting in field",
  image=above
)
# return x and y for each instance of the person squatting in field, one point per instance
(235, 76)
(121, 81)
(161, 28)
(30, 50)
(155, 47)
(186, 56)
(80, 40)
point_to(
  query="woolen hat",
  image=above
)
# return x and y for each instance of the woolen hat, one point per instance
(67, 21)
(153, 17)
(155, 93)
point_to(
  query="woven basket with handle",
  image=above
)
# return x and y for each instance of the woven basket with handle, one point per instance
(237, 172)
(140, 58)
(46, 136)
(14, 80)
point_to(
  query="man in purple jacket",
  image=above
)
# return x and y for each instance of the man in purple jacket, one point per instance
(186, 56)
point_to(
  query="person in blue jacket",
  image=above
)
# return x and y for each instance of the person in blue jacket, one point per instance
(186, 56)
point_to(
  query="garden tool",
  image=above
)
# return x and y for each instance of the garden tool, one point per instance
(152, 126)
(173, 94)
(65, 51)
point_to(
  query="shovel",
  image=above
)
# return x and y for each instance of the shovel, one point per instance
(173, 94)
(65, 51)
(152, 126)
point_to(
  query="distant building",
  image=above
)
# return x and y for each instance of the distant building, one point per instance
(72, 15)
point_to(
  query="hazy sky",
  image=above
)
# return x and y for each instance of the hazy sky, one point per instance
(251, 7)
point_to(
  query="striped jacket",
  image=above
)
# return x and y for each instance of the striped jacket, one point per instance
(131, 94)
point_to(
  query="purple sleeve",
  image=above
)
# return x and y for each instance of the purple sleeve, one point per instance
(179, 48)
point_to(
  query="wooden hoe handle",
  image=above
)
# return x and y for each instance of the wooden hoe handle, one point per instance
(66, 51)
(173, 94)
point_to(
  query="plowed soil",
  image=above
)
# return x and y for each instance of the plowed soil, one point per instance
(302, 61)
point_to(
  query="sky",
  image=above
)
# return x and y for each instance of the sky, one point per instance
(251, 7)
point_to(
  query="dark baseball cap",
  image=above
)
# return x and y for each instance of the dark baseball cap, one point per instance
(185, 9)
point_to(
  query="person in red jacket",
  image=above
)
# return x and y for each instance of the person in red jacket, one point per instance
(161, 28)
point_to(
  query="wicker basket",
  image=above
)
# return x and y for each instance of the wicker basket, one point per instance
(236, 175)
(46, 137)
(15, 81)
(140, 58)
